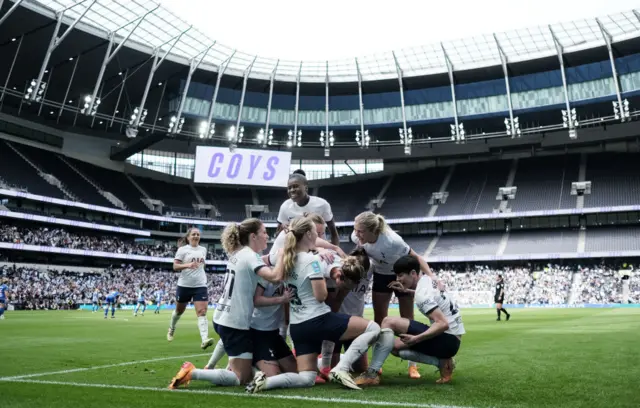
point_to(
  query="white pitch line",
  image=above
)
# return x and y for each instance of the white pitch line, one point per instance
(241, 394)
(75, 370)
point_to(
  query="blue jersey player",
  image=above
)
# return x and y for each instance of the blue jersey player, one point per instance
(3, 297)
(111, 300)
(95, 298)
(141, 301)
(158, 295)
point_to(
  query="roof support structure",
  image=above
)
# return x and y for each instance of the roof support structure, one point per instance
(614, 72)
(100, 93)
(221, 69)
(154, 67)
(46, 90)
(193, 66)
(108, 56)
(55, 40)
(512, 127)
(360, 139)
(155, 118)
(10, 11)
(122, 84)
(458, 131)
(13, 63)
(237, 137)
(327, 134)
(404, 132)
(568, 116)
(267, 131)
(296, 138)
(66, 93)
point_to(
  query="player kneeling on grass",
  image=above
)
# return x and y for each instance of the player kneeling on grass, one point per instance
(436, 344)
(311, 320)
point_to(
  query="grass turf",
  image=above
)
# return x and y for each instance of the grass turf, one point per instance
(541, 358)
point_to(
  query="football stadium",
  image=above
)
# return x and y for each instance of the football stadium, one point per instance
(445, 216)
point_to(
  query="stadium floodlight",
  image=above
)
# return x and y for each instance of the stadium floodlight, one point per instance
(326, 141)
(513, 129)
(90, 109)
(235, 136)
(294, 138)
(206, 131)
(176, 124)
(265, 136)
(406, 138)
(621, 114)
(33, 94)
(135, 114)
(570, 121)
(458, 133)
(363, 139)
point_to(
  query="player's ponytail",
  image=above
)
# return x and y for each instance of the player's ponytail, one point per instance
(353, 269)
(235, 236)
(374, 223)
(296, 231)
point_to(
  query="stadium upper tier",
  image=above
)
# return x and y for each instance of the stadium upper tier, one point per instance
(161, 28)
(563, 183)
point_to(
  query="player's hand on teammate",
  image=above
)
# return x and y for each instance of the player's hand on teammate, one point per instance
(287, 295)
(326, 256)
(409, 340)
(397, 286)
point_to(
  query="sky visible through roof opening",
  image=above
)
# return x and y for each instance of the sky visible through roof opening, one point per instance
(338, 29)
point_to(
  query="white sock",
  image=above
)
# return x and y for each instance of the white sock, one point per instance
(419, 357)
(203, 326)
(411, 364)
(216, 377)
(382, 349)
(292, 380)
(174, 320)
(218, 353)
(358, 347)
(327, 353)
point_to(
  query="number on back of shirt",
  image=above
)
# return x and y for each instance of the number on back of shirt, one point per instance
(295, 299)
(229, 280)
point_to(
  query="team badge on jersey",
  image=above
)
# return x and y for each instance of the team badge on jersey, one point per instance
(316, 267)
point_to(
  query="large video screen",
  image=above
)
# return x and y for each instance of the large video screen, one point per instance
(219, 165)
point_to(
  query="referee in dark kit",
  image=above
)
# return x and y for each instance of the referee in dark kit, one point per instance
(498, 298)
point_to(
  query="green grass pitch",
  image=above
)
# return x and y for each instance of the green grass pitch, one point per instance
(541, 358)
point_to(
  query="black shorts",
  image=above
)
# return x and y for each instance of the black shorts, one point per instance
(269, 346)
(186, 295)
(498, 300)
(444, 345)
(308, 336)
(381, 283)
(236, 342)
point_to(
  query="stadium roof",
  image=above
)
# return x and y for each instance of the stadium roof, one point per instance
(161, 28)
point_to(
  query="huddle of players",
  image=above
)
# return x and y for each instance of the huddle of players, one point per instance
(324, 290)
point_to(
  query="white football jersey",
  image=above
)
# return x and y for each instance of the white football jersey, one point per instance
(192, 278)
(428, 297)
(277, 245)
(290, 210)
(304, 306)
(235, 307)
(353, 303)
(385, 251)
(268, 318)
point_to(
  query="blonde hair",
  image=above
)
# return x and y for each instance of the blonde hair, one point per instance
(235, 235)
(296, 230)
(353, 269)
(184, 240)
(372, 222)
(316, 218)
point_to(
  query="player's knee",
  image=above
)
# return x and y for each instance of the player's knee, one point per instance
(389, 322)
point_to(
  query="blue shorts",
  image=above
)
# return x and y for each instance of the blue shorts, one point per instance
(110, 301)
(308, 336)
(236, 342)
(141, 302)
(186, 295)
(443, 346)
(269, 346)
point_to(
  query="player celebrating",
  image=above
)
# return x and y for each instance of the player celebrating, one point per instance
(300, 203)
(192, 284)
(232, 319)
(110, 300)
(141, 301)
(498, 298)
(435, 344)
(384, 247)
(311, 319)
(3, 297)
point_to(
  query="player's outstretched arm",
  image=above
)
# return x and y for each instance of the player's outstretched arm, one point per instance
(438, 326)
(424, 266)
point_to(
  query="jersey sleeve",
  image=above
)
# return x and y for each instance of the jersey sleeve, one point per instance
(180, 253)
(327, 214)
(315, 270)
(255, 262)
(282, 216)
(429, 303)
(402, 247)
